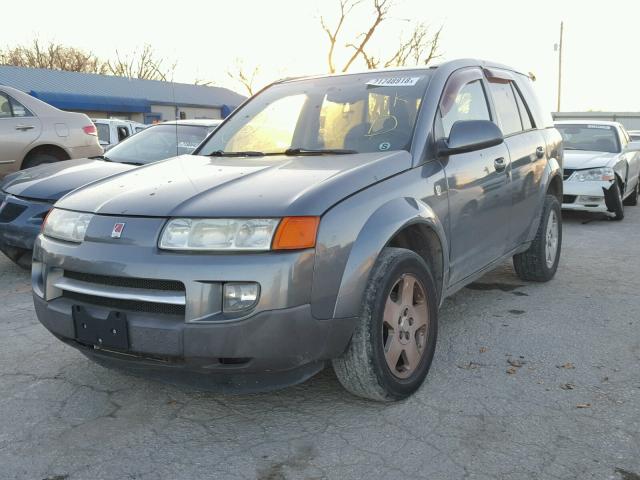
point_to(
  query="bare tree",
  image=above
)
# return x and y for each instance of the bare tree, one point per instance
(419, 49)
(243, 76)
(146, 65)
(52, 56)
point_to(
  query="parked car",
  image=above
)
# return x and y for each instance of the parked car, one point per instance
(324, 221)
(33, 132)
(27, 196)
(634, 135)
(601, 168)
(112, 131)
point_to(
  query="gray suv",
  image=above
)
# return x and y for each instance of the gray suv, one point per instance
(324, 222)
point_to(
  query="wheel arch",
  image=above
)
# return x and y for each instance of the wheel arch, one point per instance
(405, 223)
(47, 148)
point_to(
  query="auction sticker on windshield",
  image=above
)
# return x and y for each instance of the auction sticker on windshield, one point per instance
(600, 127)
(394, 82)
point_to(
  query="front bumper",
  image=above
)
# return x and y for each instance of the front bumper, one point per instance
(182, 334)
(585, 196)
(20, 220)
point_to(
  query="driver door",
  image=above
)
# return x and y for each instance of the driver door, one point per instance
(478, 184)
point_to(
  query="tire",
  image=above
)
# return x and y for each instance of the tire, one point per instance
(539, 263)
(39, 159)
(617, 207)
(363, 369)
(632, 200)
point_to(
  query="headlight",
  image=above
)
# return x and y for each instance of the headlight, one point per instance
(595, 174)
(218, 234)
(66, 225)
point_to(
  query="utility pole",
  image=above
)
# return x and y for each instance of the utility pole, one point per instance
(560, 65)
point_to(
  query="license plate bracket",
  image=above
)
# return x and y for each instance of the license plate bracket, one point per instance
(111, 332)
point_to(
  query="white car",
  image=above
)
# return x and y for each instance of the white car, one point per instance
(33, 132)
(601, 167)
(634, 135)
(112, 131)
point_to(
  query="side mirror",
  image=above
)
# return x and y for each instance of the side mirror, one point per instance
(633, 146)
(470, 135)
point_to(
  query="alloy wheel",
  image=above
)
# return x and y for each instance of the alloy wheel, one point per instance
(551, 239)
(405, 326)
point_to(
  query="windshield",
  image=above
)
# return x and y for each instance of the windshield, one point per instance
(157, 143)
(369, 112)
(591, 137)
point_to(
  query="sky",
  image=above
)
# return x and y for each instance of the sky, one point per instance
(283, 37)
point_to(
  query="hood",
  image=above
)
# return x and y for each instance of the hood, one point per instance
(582, 159)
(273, 186)
(51, 181)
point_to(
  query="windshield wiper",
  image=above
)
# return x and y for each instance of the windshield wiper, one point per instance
(321, 151)
(222, 153)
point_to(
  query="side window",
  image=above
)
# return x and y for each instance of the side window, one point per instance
(20, 110)
(5, 107)
(506, 107)
(525, 115)
(467, 103)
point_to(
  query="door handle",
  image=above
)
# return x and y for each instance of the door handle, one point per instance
(25, 127)
(499, 164)
(539, 152)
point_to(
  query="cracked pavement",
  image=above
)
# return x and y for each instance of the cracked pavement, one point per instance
(514, 363)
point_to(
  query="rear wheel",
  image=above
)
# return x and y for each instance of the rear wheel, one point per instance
(540, 262)
(392, 348)
(39, 159)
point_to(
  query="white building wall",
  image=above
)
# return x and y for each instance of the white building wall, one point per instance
(168, 112)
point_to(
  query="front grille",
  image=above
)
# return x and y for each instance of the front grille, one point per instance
(146, 283)
(11, 211)
(131, 305)
(567, 172)
(569, 198)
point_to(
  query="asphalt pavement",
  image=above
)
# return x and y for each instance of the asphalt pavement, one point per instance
(529, 381)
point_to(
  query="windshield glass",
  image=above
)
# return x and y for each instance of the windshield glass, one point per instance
(591, 137)
(368, 112)
(157, 143)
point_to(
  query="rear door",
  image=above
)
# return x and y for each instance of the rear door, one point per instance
(479, 195)
(19, 128)
(527, 149)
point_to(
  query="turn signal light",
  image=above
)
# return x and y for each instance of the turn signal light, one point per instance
(296, 233)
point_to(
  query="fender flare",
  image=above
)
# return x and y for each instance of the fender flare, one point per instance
(378, 230)
(551, 171)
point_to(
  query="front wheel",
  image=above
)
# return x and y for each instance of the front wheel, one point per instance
(614, 203)
(393, 345)
(540, 262)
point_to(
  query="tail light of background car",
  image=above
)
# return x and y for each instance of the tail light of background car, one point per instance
(90, 130)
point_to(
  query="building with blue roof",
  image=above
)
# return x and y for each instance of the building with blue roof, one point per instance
(105, 96)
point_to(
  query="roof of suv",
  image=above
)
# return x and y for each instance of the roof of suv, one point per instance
(463, 62)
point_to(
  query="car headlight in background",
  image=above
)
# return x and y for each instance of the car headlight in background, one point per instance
(604, 174)
(239, 234)
(66, 225)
